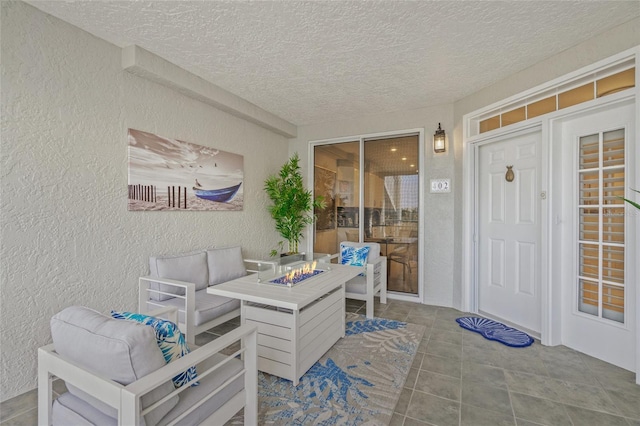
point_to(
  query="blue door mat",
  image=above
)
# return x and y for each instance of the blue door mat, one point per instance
(494, 330)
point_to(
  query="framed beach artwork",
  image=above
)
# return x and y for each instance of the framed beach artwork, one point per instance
(169, 174)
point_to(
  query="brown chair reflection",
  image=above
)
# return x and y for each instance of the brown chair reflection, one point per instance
(353, 236)
(404, 253)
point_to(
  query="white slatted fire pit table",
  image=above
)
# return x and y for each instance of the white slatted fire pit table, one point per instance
(297, 324)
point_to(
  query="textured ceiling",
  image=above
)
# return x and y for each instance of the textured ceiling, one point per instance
(318, 61)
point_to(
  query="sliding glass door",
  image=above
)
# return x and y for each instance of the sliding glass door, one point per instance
(372, 191)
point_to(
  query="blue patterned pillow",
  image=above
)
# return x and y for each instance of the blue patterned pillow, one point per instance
(170, 341)
(354, 256)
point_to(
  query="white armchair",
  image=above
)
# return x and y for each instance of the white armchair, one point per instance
(374, 278)
(116, 375)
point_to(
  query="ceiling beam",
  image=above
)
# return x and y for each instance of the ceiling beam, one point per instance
(152, 67)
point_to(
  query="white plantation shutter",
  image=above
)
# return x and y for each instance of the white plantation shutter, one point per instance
(601, 181)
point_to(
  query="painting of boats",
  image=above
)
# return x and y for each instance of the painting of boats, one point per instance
(170, 174)
(221, 195)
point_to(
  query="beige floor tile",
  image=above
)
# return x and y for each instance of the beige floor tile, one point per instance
(432, 409)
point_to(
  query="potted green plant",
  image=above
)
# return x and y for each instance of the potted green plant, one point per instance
(293, 205)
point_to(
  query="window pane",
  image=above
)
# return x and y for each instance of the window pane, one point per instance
(575, 96)
(542, 106)
(613, 303)
(589, 225)
(589, 261)
(588, 297)
(613, 264)
(613, 186)
(490, 124)
(613, 225)
(614, 83)
(513, 116)
(613, 148)
(589, 188)
(589, 152)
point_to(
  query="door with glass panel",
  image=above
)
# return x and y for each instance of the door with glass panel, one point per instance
(598, 292)
(373, 196)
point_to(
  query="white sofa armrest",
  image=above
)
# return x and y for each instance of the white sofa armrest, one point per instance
(380, 259)
(144, 291)
(247, 334)
(168, 312)
(327, 258)
(148, 279)
(51, 365)
(255, 265)
(371, 269)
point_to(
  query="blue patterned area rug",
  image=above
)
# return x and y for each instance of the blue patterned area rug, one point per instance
(358, 381)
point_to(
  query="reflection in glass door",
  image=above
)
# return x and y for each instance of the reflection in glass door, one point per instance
(379, 205)
(337, 179)
(391, 193)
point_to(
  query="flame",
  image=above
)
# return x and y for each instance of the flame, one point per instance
(294, 274)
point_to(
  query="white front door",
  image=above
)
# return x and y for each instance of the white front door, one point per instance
(509, 230)
(598, 260)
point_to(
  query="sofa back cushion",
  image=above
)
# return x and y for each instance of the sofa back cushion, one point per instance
(122, 351)
(190, 267)
(225, 264)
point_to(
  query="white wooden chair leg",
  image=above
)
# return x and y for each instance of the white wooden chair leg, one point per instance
(45, 393)
(370, 301)
(383, 286)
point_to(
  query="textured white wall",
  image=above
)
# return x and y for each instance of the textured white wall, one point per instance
(593, 50)
(66, 235)
(438, 255)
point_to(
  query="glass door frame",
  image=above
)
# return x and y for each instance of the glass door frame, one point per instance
(362, 138)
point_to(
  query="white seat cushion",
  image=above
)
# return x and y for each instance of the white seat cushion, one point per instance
(71, 410)
(357, 285)
(207, 385)
(208, 306)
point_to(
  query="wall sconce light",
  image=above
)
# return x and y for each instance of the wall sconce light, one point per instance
(438, 140)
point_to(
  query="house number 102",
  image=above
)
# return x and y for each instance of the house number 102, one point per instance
(440, 185)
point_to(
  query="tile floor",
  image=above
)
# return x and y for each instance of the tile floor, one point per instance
(460, 378)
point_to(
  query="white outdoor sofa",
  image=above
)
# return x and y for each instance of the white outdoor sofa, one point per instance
(116, 374)
(181, 281)
(372, 281)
